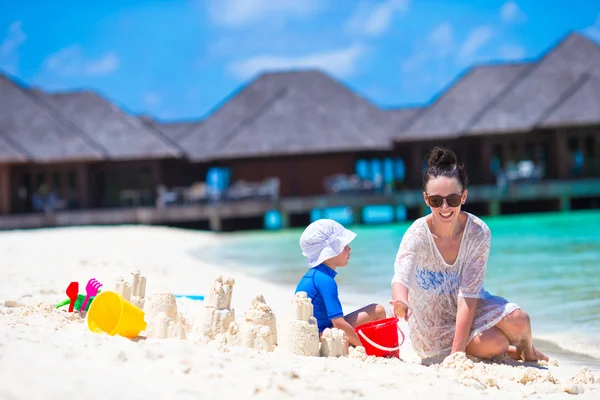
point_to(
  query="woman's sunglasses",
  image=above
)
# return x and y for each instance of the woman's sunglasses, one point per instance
(453, 200)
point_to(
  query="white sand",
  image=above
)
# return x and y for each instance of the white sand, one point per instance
(50, 354)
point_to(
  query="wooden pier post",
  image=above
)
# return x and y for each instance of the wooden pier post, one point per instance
(214, 222)
(357, 215)
(565, 204)
(494, 208)
(5, 195)
(285, 219)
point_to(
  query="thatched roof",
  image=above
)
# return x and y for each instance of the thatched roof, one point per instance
(306, 112)
(10, 153)
(41, 133)
(544, 86)
(123, 137)
(173, 130)
(580, 107)
(401, 117)
(285, 113)
(452, 111)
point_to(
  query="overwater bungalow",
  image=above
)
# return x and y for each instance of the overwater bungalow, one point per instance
(76, 150)
(537, 121)
(291, 144)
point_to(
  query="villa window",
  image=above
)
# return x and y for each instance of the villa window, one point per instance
(41, 180)
(530, 151)
(56, 183)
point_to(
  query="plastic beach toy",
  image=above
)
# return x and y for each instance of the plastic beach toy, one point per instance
(112, 314)
(380, 338)
(91, 289)
(78, 302)
(72, 292)
(191, 296)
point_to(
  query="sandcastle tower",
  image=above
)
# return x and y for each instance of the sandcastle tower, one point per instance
(162, 319)
(217, 314)
(334, 343)
(303, 331)
(258, 331)
(134, 292)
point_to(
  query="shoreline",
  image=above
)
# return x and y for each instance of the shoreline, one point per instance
(40, 264)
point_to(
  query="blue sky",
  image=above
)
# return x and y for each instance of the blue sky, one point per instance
(179, 59)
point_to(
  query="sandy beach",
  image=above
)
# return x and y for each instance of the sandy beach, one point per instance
(49, 353)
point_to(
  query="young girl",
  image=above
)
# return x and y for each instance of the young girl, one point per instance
(438, 277)
(325, 244)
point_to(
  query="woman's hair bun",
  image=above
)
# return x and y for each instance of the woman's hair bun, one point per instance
(443, 162)
(441, 157)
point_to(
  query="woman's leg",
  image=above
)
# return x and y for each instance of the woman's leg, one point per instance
(488, 344)
(517, 328)
(372, 312)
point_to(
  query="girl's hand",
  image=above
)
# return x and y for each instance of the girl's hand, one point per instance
(401, 309)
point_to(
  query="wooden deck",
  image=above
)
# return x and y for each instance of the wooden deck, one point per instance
(559, 190)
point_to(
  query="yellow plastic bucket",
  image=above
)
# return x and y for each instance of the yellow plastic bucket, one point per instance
(111, 313)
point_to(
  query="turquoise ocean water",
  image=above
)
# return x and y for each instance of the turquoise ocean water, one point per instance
(549, 264)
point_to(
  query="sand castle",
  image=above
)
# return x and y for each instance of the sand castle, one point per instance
(217, 314)
(303, 332)
(134, 292)
(334, 343)
(160, 309)
(258, 331)
(163, 320)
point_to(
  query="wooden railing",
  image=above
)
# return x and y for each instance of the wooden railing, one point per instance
(291, 205)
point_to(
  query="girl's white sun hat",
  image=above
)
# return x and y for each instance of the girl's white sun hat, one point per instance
(324, 239)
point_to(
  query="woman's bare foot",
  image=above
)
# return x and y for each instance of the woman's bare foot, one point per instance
(540, 356)
(531, 355)
(517, 328)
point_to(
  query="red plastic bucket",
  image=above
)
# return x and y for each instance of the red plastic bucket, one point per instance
(380, 338)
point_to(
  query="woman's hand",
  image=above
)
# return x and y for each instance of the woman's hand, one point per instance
(401, 309)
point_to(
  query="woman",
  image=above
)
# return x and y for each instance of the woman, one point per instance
(438, 280)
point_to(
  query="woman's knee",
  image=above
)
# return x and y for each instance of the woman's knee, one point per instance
(519, 320)
(489, 344)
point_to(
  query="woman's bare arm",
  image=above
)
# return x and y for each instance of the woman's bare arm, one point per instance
(464, 319)
(400, 300)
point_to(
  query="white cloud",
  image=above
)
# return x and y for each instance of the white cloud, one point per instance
(594, 30)
(441, 52)
(9, 48)
(375, 19)
(341, 62)
(71, 61)
(511, 12)
(512, 52)
(151, 99)
(235, 13)
(416, 61)
(442, 37)
(476, 39)
(440, 44)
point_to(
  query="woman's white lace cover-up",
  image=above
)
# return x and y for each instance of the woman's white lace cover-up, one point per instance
(434, 286)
